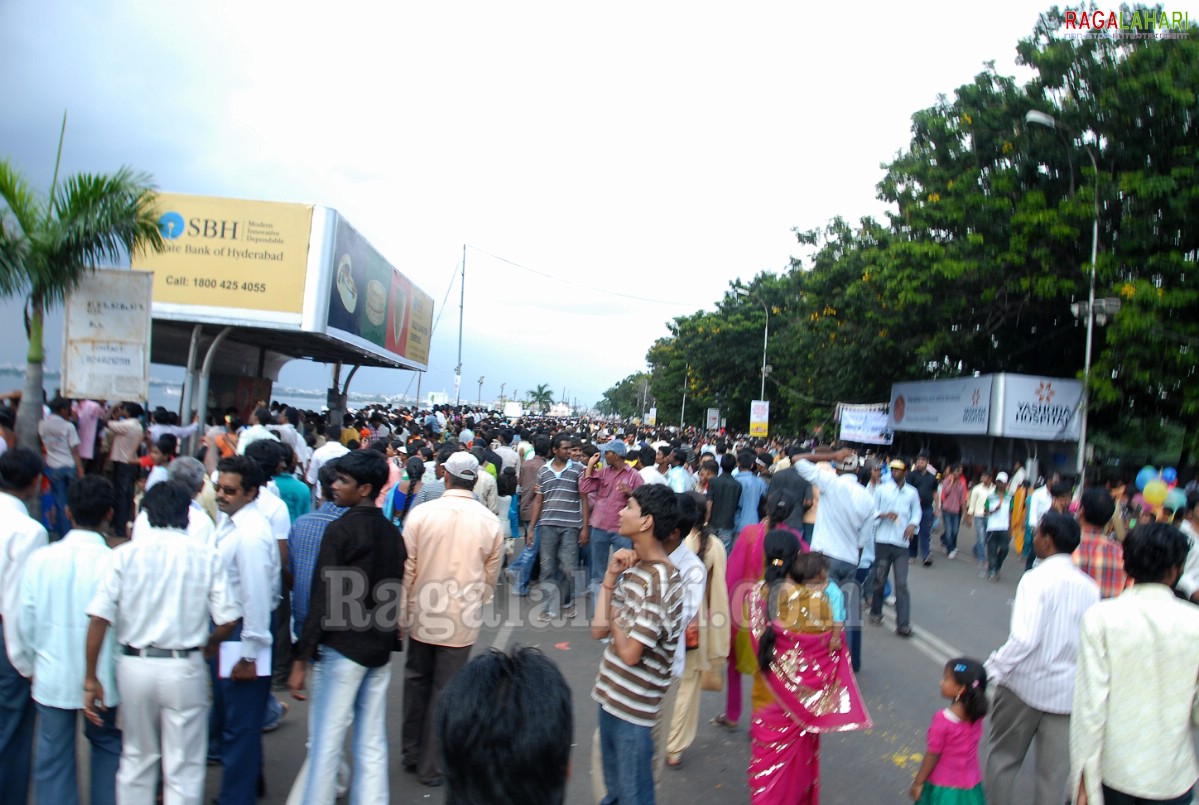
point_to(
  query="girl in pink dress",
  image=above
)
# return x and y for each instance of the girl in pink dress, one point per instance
(950, 774)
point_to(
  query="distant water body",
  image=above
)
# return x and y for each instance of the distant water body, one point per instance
(168, 393)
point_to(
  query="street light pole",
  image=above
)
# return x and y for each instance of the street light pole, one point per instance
(765, 334)
(1042, 119)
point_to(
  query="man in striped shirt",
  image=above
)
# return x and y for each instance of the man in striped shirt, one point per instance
(559, 511)
(640, 607)
(1034, 670)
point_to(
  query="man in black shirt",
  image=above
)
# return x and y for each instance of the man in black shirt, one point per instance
(352, 627)
(791, 485)
(925, 483)
(725, 494)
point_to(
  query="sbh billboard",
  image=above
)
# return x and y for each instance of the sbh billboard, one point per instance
(287, 267)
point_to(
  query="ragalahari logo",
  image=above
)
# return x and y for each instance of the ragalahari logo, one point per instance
(1124, 24)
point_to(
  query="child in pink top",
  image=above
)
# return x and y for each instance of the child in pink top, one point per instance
(950, 774)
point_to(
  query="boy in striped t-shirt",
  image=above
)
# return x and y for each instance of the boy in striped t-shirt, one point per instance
(640, 606)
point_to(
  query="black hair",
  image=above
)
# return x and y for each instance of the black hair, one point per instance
(688, 514)
(246, 467)
(416, 470)
(1097, 505)
(19, 467)
(1152, 550)
(91, 498)
(333, 433)
(7, 418)
(746, 459)
(678, 457)
(443, 454)
(325, 477)
(658, 501)
(809, 566)
(263, 415)
(970, 674)
(779, 510)
(781, 549)
(166, 504)
(59, 404)
(1062, 529)
(266, 453)
(710, 465)
(728, 463)
(541, 446)
(504, 724)
(647, 455)
(701, 504)
(556, 441)
(1063, 488)
(365, 467)
(168, 444)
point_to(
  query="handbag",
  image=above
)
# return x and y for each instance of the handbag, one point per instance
(711, 679)
(691, 634)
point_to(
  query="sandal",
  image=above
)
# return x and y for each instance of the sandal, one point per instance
(723, 721)
(674, 761)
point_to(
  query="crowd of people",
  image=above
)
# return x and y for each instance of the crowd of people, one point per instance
(185, 577)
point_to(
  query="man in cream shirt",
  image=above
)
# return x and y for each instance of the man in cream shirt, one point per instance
(1136, 688)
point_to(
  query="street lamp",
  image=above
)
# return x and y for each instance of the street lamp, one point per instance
(765, 334)
(481, 390)
(1042, 119)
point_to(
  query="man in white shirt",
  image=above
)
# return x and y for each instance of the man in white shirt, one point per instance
(160, 593)
(1188, 582)
(60, 441)
(59, 582)
(1033, 672)
(189, 472)
(258, 430)
(1135, 693)
(652, 461)
(844, 530)
(975, 517)
(997, 509)
(331, 449)
(20, 536)
(250, 555)
(1039, 502)
(898, 513)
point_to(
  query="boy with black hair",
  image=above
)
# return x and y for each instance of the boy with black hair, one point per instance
(58, 584)
(500, 725)
(640, 607)
(364, 550)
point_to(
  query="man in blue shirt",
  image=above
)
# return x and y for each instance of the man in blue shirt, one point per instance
(753, 490)
(304, 543)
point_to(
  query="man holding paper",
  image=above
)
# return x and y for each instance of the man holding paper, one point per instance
(243, 685)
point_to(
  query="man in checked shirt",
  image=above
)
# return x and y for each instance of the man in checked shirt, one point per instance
(1100, 556)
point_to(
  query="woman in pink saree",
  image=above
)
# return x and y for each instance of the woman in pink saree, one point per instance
(804, 685)
(744, 573)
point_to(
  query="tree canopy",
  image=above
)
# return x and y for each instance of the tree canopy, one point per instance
(985, 246)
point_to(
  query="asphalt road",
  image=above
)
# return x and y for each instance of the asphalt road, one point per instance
(953, 612)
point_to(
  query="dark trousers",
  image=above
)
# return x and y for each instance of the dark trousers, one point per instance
(426, 671)
(281, 647)
(1113, 797)
(235, 725)
(124, 476)
(16, 729)
(997, 547)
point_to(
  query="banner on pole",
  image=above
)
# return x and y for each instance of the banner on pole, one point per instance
(759, 419)
(712, 422)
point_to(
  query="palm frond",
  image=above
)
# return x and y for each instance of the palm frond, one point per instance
(19, 215)
(95, 219)
(20, 199)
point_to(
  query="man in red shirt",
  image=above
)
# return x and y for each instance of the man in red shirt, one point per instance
(1100, 556)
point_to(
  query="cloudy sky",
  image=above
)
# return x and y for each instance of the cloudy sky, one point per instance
(608, 166)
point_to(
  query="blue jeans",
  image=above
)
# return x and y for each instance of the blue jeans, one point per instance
(980, 539)
(55, 777)
(726, 535)
(924, 534)
(602, 544)
(953, 524)
(628, 759)
(345, 693)
(60, 479)
(16, 729)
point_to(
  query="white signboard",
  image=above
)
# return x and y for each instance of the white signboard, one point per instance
(712, 422)
(759, 419)
(1043, 408)
(106, 337)
(961, 405)
(866, 424)
(513, 410)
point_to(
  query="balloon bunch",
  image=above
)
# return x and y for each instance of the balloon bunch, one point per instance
(1159, 490)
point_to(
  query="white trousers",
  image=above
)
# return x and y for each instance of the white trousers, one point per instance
(164, 719)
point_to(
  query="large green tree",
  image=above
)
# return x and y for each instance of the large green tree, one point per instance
(48, 244)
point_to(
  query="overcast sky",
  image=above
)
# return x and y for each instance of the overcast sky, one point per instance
(631, 159)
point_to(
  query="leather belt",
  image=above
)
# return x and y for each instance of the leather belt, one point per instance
(157, 653)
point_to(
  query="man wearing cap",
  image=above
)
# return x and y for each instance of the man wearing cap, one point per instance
(844, 528)
(454, 546)
(997, 511)
(611, 487)
(897, 513)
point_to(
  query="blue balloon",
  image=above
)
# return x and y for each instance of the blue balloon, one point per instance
(1170, 475)
(1175, 500)
(1146, 475)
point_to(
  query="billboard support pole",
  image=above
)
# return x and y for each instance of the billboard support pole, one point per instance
(189, 382)
(202, 405)
(461, 316)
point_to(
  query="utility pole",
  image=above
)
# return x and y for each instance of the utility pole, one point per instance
(683, 412)
(481, 390)
(461, 318)
(502, 395)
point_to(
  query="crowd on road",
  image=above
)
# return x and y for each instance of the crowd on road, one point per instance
(172, 582)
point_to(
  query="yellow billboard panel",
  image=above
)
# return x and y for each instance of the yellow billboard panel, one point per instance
(759, 419)
(230, 253)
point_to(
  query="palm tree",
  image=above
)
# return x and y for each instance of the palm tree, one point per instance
(48, 245)
(542, 397)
